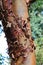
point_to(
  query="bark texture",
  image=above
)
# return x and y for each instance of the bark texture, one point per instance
(16, 24)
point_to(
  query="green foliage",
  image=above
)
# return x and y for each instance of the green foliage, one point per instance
(39, 51)
(1, 59)
(4, 60)
(36, 20)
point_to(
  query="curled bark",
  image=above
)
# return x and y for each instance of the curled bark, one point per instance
(16, 24)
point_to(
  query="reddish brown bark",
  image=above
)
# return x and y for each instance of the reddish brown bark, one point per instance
(20, 9)
(18, 32)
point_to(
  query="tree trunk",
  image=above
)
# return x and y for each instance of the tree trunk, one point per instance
(18, 32)
(20, 10)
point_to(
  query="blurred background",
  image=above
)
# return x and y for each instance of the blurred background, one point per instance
(36, 20)
(4, 57)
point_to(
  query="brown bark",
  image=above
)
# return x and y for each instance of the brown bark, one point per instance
(20, 9)
(18, 32)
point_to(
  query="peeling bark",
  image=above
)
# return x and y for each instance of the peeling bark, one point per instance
(16, 24)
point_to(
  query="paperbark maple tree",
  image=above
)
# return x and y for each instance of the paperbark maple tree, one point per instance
(16, 24)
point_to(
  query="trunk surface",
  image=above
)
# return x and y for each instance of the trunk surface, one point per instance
(18, 32)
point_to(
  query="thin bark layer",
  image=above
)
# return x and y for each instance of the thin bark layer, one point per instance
(16, 24)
